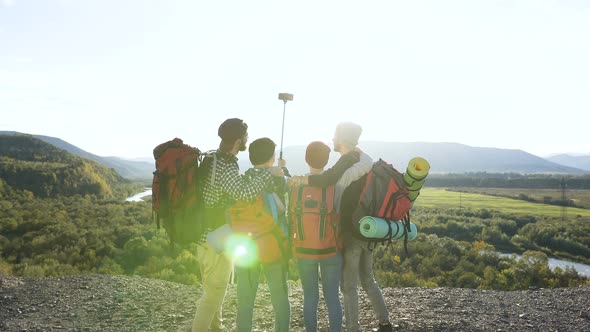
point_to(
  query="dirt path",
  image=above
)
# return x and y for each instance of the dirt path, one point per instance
(117, 303)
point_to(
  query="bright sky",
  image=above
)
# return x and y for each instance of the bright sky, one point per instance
(118, 77)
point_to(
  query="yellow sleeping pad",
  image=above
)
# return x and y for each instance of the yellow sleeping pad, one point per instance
(415, 176)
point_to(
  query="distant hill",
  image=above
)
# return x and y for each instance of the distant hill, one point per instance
(443, 157)
(581, 162)
(28, 163)
(130, 169)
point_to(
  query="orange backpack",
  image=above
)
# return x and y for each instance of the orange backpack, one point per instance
(260, 222)
(314, 223)
(175, 196)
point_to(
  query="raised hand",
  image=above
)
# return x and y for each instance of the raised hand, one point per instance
(276, 171)
(282, 163)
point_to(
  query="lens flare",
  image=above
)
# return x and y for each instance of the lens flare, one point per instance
(242, 250)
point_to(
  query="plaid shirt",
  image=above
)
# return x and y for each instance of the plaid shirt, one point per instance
(276, 185)
(229, 186)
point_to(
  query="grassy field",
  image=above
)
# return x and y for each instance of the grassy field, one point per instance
(581, 198)
(441, 198)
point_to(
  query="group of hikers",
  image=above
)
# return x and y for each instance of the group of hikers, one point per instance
(226, 194)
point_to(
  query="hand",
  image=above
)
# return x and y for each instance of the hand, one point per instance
(276, 171)
(282, 163)
(294, 181)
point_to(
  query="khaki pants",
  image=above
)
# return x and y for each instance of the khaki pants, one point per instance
(215, 271)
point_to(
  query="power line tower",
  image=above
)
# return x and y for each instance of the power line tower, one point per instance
(563, 200)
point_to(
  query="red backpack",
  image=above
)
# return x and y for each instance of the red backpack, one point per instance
(385, 196)
(260, 223)
(175, 196)
(314, 223)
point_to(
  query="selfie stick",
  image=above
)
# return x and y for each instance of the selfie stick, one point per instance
(285, 97)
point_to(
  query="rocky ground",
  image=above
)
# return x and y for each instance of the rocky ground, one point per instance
(118, 303)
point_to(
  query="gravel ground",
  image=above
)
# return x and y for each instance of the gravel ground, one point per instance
(119, 303)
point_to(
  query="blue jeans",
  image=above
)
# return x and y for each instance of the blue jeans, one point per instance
(330, 269)
(248, 279)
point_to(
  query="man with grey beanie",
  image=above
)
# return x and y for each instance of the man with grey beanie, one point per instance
(348, 175)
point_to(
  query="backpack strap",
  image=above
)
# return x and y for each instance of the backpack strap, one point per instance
(213, 169)
(391, 205)
(415, 178)
(390, 234)
(371, 245)
(272, 206)
(374, 198)
(206, 222)
(323, 213)
(299, 213)
(407, 229)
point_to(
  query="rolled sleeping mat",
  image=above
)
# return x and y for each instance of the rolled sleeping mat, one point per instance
(413, 194)
(416, 185)
(415, 176)
(417, 171)
(377, 228)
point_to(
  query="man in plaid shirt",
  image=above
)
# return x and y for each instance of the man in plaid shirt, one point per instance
(222, 186)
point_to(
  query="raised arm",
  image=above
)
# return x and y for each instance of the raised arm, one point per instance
(332, 175)
(236, 186)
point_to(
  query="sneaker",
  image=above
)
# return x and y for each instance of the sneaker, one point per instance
(385, 327)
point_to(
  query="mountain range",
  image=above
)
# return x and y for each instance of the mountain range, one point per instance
(577, 161)
(443, 157)
(28, 163)
(130, 169)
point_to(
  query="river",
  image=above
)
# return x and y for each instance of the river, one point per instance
(583, 269)
(138, 197)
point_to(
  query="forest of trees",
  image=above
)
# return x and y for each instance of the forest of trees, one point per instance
(456, 248)
(442, 262)
(28, 163)
(510, 233)
(508, 180)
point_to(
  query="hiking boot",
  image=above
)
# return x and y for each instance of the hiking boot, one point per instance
(385, 327)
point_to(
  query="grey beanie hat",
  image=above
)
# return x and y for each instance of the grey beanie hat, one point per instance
(348, 133)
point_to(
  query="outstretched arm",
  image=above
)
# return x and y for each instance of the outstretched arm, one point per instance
(236, 186)
(332, 175)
